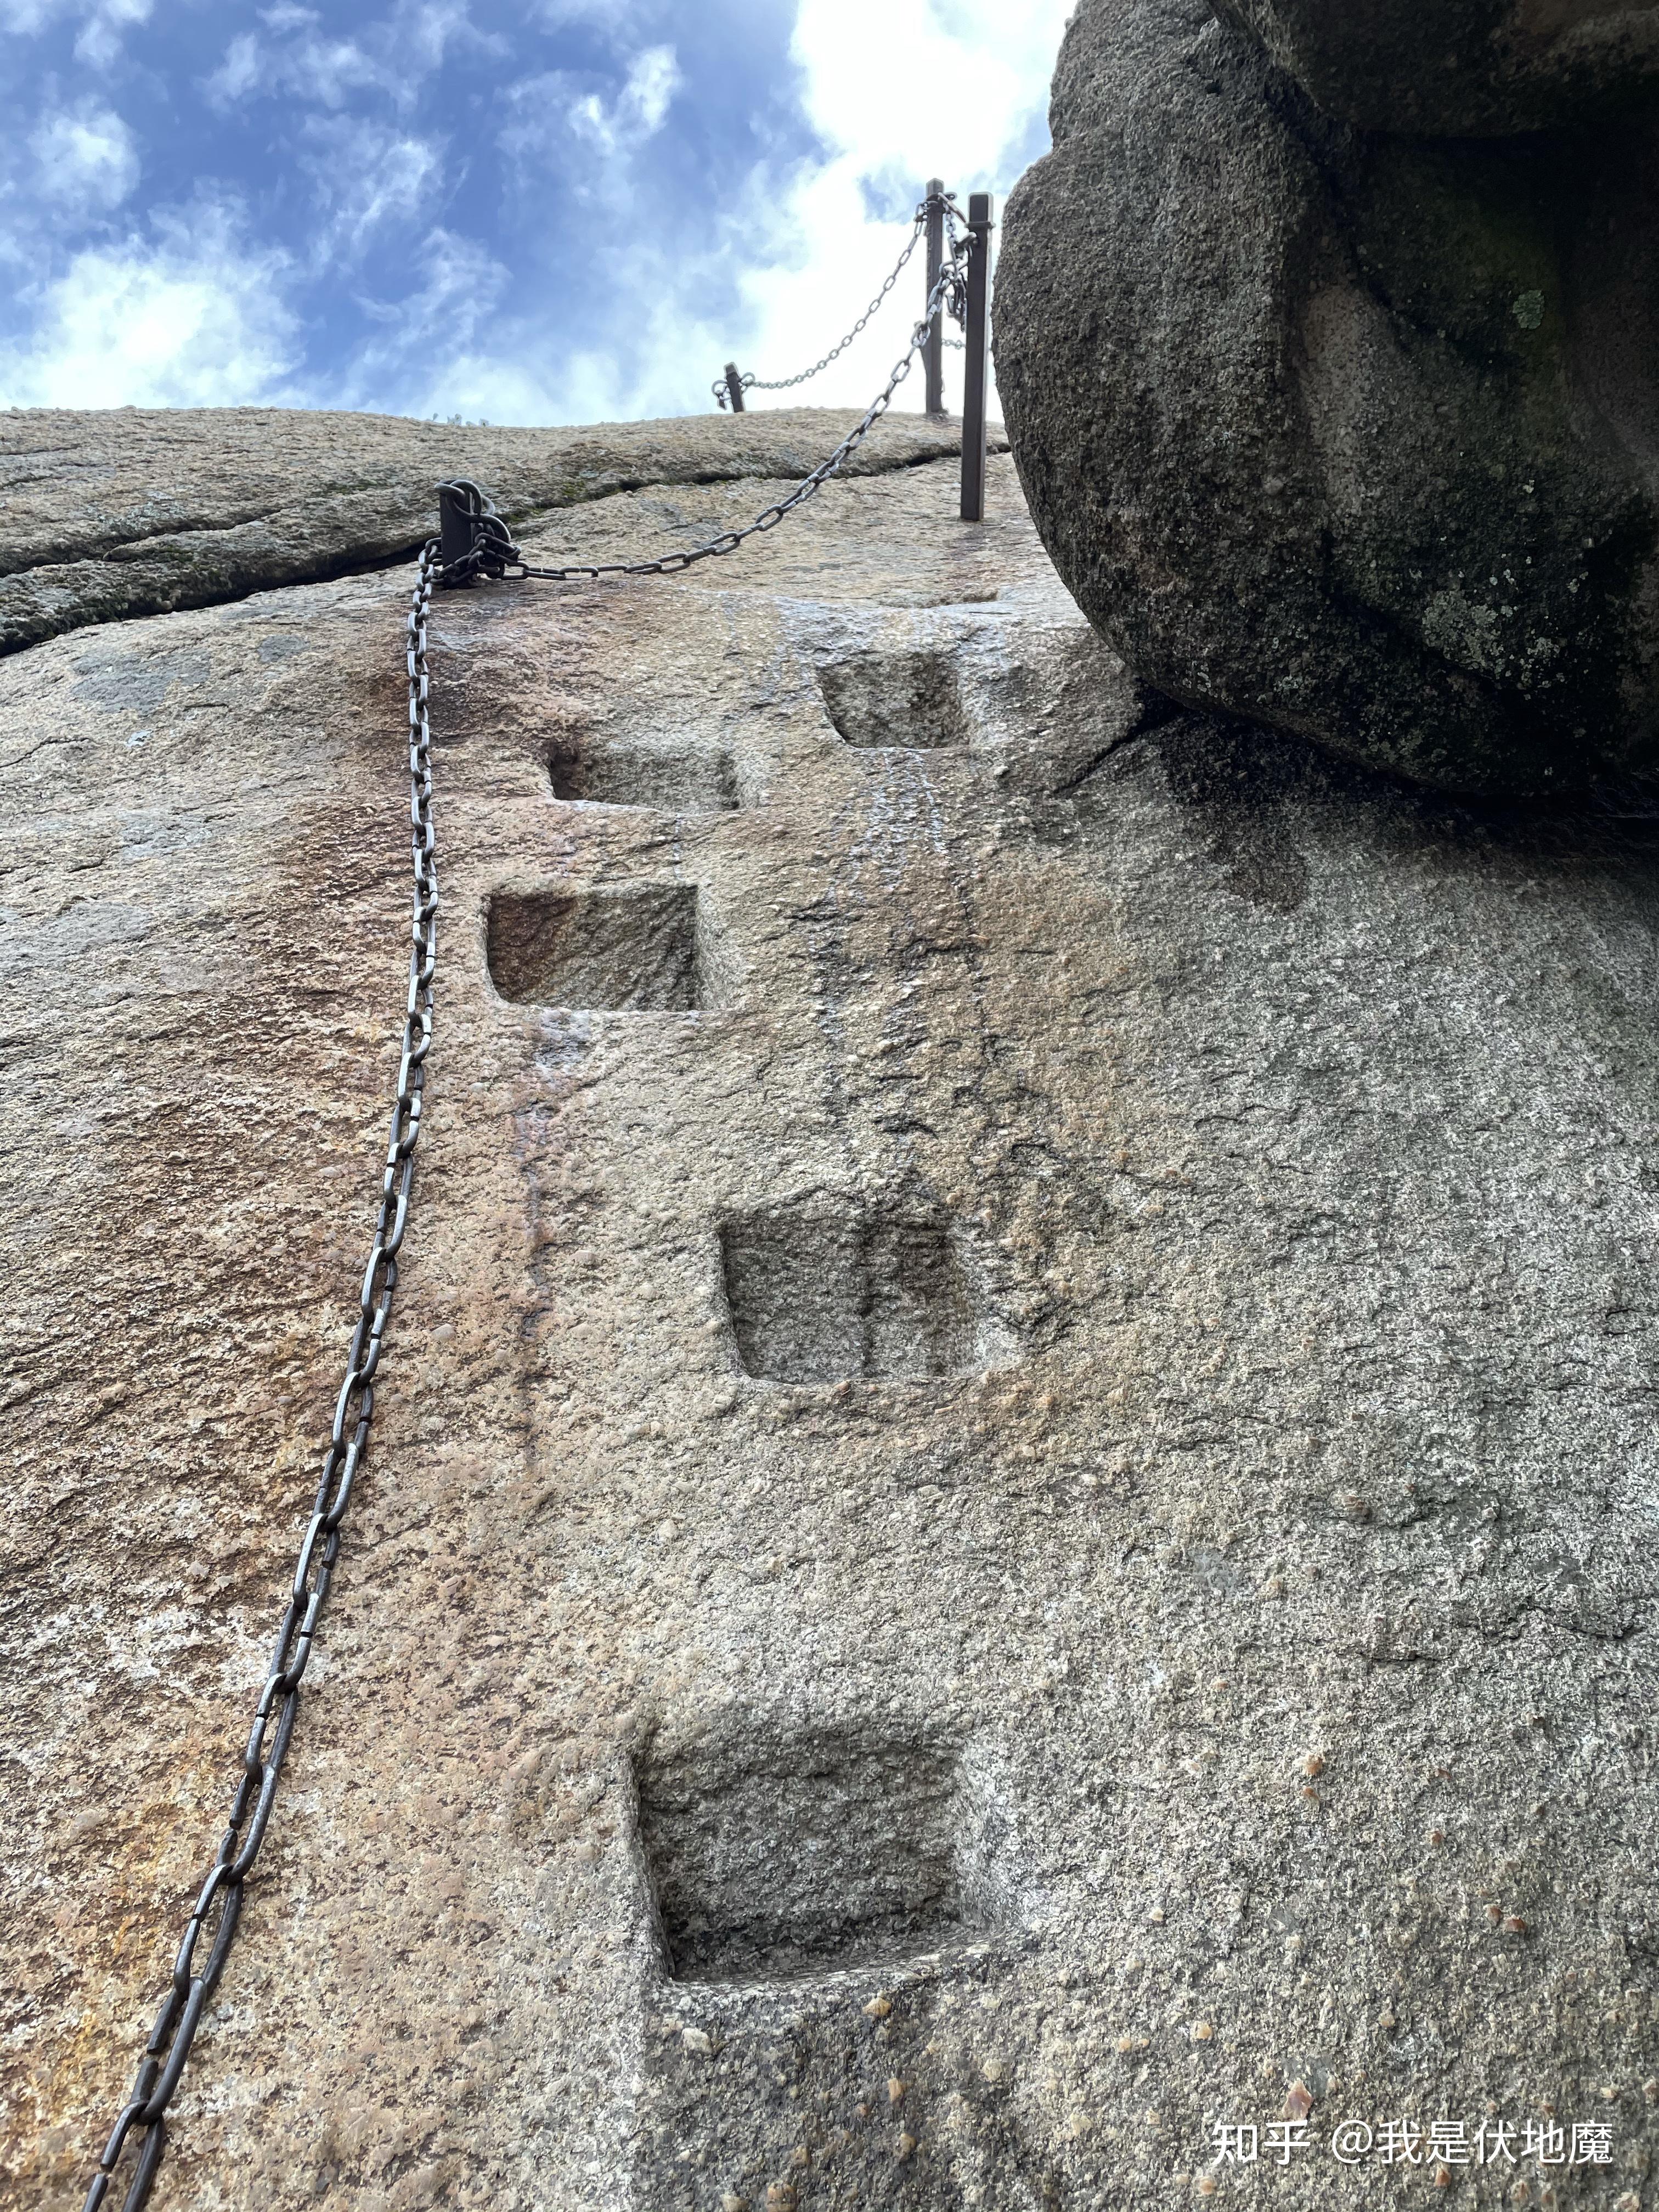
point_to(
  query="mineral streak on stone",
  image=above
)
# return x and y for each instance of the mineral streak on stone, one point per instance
(1029, 1524)
(141, 510)
(1461, 68)
(1356, 435)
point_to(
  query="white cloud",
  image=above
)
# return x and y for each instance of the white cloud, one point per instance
(297, 58)
(643, 106)
(612, 15)
(548, 112)
(240, 72)
(86, 161)
(188, 312)
(102, 22)
(527, 373)
(961, 86)
(427, 347)
(100, 42)
(363, 176)
(424, 30)
(192, 319)
(808, 256)
(962, 93)
(312, 67)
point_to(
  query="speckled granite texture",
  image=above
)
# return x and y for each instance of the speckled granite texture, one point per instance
(139, 511)
(1013, 1500)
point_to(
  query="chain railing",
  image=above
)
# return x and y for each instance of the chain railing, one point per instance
(219, 1904)
(474, 543)
(730, 386)
(940, 218)
(491, 551)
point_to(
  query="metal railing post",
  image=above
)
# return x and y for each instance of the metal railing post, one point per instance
(459, 506)
(934, 359)
(734, 388)
(976, 382)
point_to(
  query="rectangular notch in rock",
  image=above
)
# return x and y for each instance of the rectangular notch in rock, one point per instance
(806, 1856)
(817, 1296)
(910, 700)
(631, 950)
(674, 778)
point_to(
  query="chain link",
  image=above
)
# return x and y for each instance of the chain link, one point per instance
(495, 554)
(722, 390)
(219, 1905)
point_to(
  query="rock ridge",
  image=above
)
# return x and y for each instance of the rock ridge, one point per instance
(109, 515)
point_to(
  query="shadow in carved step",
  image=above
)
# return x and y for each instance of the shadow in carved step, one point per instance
(812, 1855)
(819, 1296)
(638, 949)
(907, 699)
(673, 777)
(837, 1913)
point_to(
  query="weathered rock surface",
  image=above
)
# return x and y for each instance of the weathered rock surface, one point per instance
(1356, 436)
(1015, 1509)
(1460, 68)
(139, 511)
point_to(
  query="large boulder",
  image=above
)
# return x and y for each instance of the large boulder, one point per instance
(1352, 435)
(1460, 66)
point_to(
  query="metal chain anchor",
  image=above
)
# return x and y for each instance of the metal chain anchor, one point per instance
(491, 551)
(219, 1906)
(721, 387)
(475, 542)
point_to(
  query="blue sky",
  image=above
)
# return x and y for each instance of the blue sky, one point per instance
(521, 210)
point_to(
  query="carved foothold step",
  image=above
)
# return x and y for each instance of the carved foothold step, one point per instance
(629, 950)
(909, 699)
(812, 1854)
(817, 1295)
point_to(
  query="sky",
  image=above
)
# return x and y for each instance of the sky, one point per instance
(502, 210)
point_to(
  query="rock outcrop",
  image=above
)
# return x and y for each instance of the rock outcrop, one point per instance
(1356, 435)
(139, 511)
(1013, 1505)
(1461, 68)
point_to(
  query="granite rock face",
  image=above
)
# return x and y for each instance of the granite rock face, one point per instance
(1461, 68)
(1355, 435)
(138, 511)
(1013, 1501)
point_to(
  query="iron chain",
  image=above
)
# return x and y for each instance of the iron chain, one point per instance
(219, 1905)
(495, 554)
(752, 383)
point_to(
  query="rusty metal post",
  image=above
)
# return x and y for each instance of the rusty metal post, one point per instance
(976, 382)
(734, 388)
(933, 358)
